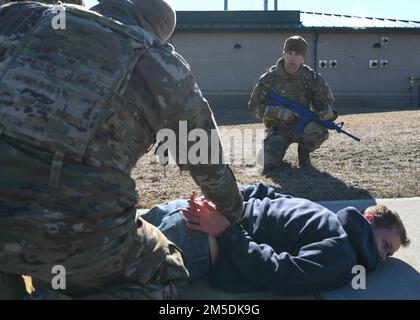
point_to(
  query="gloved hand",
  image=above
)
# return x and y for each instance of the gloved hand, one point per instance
(314, 136)
(279, 114)
(285, 115)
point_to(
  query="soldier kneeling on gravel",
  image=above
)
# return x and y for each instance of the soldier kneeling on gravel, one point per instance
(291, 79)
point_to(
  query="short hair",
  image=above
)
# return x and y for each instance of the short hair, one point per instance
(385, 218)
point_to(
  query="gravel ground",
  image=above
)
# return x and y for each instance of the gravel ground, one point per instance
(386, 164)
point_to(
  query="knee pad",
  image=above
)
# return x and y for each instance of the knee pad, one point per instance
(314, 136)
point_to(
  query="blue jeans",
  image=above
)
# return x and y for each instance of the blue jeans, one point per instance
(169, 219)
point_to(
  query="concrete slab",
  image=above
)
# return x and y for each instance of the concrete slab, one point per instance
(201, 290)
(393, 280)
(396, 279)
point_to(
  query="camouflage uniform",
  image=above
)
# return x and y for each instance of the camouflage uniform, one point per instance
(305, 87)
(78, 108)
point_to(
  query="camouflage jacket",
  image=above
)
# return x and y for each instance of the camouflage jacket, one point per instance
(160, 93)
(306, 88)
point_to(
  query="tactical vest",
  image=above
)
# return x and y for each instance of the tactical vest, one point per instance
(58, 85)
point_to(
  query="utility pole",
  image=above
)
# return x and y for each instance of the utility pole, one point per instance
(226, 5)
(275, 5)
(265, 5)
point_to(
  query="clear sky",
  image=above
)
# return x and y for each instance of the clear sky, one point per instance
(391, 9)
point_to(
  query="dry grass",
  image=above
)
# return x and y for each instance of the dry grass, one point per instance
(386, 164)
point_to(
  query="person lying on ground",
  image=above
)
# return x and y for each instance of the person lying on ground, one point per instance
(290, 245)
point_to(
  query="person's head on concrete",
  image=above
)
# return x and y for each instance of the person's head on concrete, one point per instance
(294, 51)
(388, 230)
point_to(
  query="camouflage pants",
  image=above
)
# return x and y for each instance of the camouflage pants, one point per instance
(278, 140)
(142, 264)
(87, 226)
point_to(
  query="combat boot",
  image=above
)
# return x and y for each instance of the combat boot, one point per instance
(304, 157)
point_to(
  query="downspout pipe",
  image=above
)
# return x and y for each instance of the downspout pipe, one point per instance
(316, 50)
